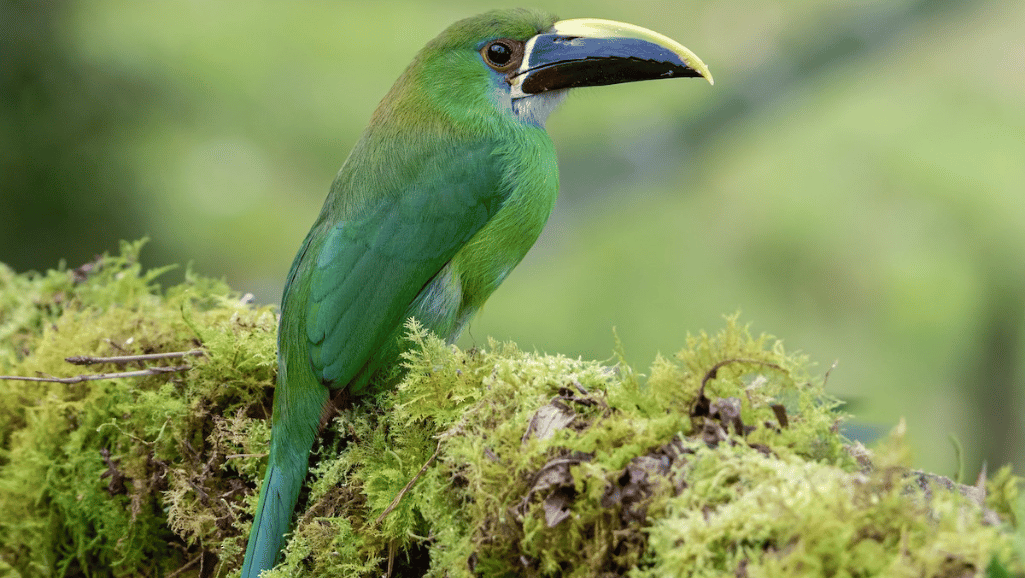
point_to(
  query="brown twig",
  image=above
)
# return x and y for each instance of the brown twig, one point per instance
(714, 372)
(122, 359)
(392, 549)
(96, 376)
(398, 498)
(236, 456)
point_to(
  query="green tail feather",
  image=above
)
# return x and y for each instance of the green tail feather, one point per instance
(295, 427)
(273, 515)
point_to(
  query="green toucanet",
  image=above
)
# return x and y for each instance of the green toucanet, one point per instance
(445, 192)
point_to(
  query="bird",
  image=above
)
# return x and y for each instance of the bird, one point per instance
(443, 194)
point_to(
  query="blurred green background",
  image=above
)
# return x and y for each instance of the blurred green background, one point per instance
(853, 183)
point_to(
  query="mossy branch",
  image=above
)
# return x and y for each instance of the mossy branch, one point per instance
(724, 460)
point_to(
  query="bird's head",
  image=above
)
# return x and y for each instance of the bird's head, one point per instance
(522, 62)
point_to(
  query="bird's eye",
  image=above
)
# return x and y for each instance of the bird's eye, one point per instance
(499, 54)
(502, 55)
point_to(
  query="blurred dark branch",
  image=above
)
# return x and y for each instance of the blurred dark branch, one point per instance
(995, 379)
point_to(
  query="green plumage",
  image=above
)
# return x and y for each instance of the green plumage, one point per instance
(439, 179)
(445, 192)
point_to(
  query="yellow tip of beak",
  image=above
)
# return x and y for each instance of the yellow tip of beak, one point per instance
(598, 28)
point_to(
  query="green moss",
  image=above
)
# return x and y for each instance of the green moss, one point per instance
(791, 517)
(724, 460)
(97, 477)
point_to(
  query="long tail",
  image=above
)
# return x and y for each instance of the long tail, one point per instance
(273, 514)
(296, 421)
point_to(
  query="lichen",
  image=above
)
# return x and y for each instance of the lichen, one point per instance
(725, 460)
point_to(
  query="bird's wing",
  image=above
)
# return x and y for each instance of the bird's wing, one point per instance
(367, 271)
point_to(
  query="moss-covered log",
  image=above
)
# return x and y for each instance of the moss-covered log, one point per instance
(724, 460)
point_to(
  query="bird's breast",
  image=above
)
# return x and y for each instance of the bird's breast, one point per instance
(485, 261)
(530, 175)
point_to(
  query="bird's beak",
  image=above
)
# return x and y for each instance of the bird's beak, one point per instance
(592, 52)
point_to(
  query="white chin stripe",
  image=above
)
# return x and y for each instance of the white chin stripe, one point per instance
(535, 108)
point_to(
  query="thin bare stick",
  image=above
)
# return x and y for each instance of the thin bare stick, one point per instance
(236, 456)
(86, 360)
(398, 498)
(94, 377)
(392, 548)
